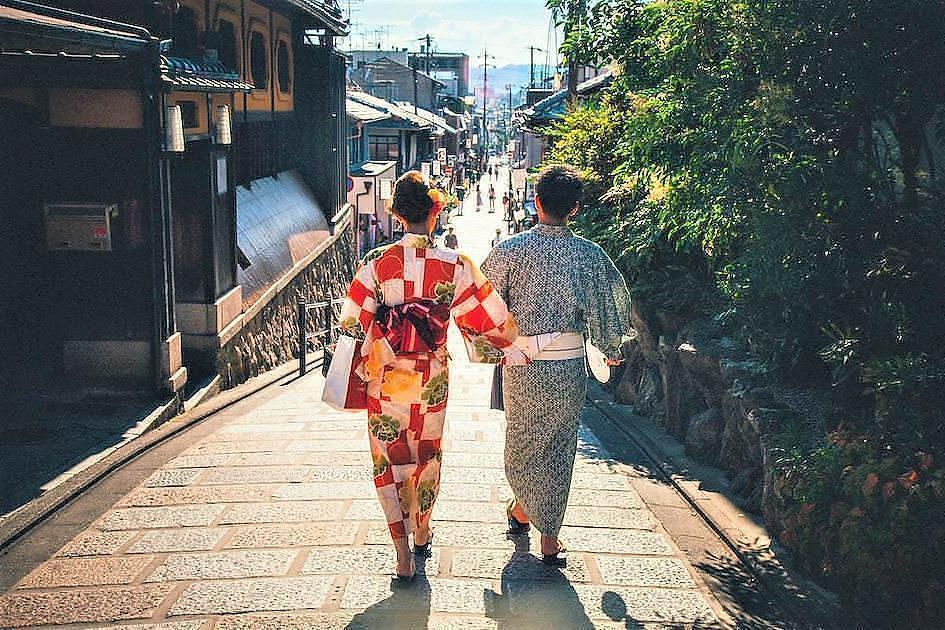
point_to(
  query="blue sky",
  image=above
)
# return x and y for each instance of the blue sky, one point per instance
(508, 27)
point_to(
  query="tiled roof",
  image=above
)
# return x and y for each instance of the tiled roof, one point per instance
(327, 12)
(51, 30)
(397, 112)
(186, 74)
(364, 113)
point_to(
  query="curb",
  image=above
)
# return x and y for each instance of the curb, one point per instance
(32, 514)
(807, 603)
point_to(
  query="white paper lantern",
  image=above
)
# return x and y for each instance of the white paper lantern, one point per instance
(174, 130)
(224, 132)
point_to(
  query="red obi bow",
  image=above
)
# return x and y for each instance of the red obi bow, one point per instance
(414, 327)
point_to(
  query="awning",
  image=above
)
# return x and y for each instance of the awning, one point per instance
(40, 29)
(179, 73)
(364, 113)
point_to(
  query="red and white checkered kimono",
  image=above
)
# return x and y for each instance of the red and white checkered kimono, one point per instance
(407, 391)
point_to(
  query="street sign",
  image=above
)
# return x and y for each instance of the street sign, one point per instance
(350, 183)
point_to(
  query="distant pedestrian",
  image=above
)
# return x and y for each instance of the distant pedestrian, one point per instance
(478, 199)
(506, 200)
(451, 241)
(490, 170)
(491, 199)
(497, 239)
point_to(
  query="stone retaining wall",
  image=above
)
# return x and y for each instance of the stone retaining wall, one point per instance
(690, 378)
(269, 337)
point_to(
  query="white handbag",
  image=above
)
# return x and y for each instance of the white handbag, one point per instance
(344, 389)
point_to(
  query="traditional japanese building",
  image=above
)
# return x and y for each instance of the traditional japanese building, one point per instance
(171, 162)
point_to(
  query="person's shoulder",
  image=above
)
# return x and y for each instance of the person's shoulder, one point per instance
(587, 245)
(444, 253)
(377, 252)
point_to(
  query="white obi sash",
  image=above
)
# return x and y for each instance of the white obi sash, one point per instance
(554, 346)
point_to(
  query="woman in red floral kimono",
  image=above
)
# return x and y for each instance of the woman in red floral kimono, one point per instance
(399, 304)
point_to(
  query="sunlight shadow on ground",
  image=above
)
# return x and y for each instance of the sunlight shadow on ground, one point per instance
(407, 608)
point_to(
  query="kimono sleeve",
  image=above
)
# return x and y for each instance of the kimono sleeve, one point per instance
(608, 308)
(360, 305)
(488, 328)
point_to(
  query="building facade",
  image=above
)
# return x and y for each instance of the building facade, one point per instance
(156, 143)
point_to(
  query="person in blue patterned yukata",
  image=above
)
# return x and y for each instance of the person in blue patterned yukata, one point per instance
(559, 287)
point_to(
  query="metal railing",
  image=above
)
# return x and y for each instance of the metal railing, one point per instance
(326, 334)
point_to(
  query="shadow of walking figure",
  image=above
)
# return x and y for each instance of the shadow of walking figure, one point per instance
(407, 608)
(535, 595)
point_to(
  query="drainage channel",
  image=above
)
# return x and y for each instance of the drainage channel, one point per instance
(793, 615)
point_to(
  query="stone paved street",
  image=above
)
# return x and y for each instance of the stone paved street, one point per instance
(269, 521)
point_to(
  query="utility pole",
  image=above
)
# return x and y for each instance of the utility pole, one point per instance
(429, 53)
(485, 95)
(511, 159)
(531, 66)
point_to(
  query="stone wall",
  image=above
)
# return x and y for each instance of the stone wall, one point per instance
(269, 336)
(692, 379)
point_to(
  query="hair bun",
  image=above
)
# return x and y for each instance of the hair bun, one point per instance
(412, 201)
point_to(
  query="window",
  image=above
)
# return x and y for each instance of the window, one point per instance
(227, 50)
(186, 38)
(259, 60)
(285, 67)
(188, 113)
(384, 148)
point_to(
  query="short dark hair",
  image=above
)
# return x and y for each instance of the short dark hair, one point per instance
(560, 189)
(412, 201)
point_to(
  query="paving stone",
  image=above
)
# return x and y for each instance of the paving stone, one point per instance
(161, 517)
(435, 594)
(493, 564)
(613, 481)
(255, 428)
(602, 602)
(619, 541)
(485, 476)
(614, 518)
(469, 512)
(196, 495)
(96, 543)
(605, 498)
(171, 478)
(365, 510)
(474, 460)
(465, 492)
(28, 608)
(472, 446)
(191, 539)
(289, 621)
(455, 534)
(333, 459)
(224, 565)
(85, 572)
(208, 460)
(283, 512)
(260, 474)
(196, 624)
(663, 572)
(253, 446)
(264, 459)
(364, 472)
(372, 559)
(466, 432)
(274, 436)
(297, 535)
(462, 623)
(242, 596)
(325, 490)
(321, 446)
